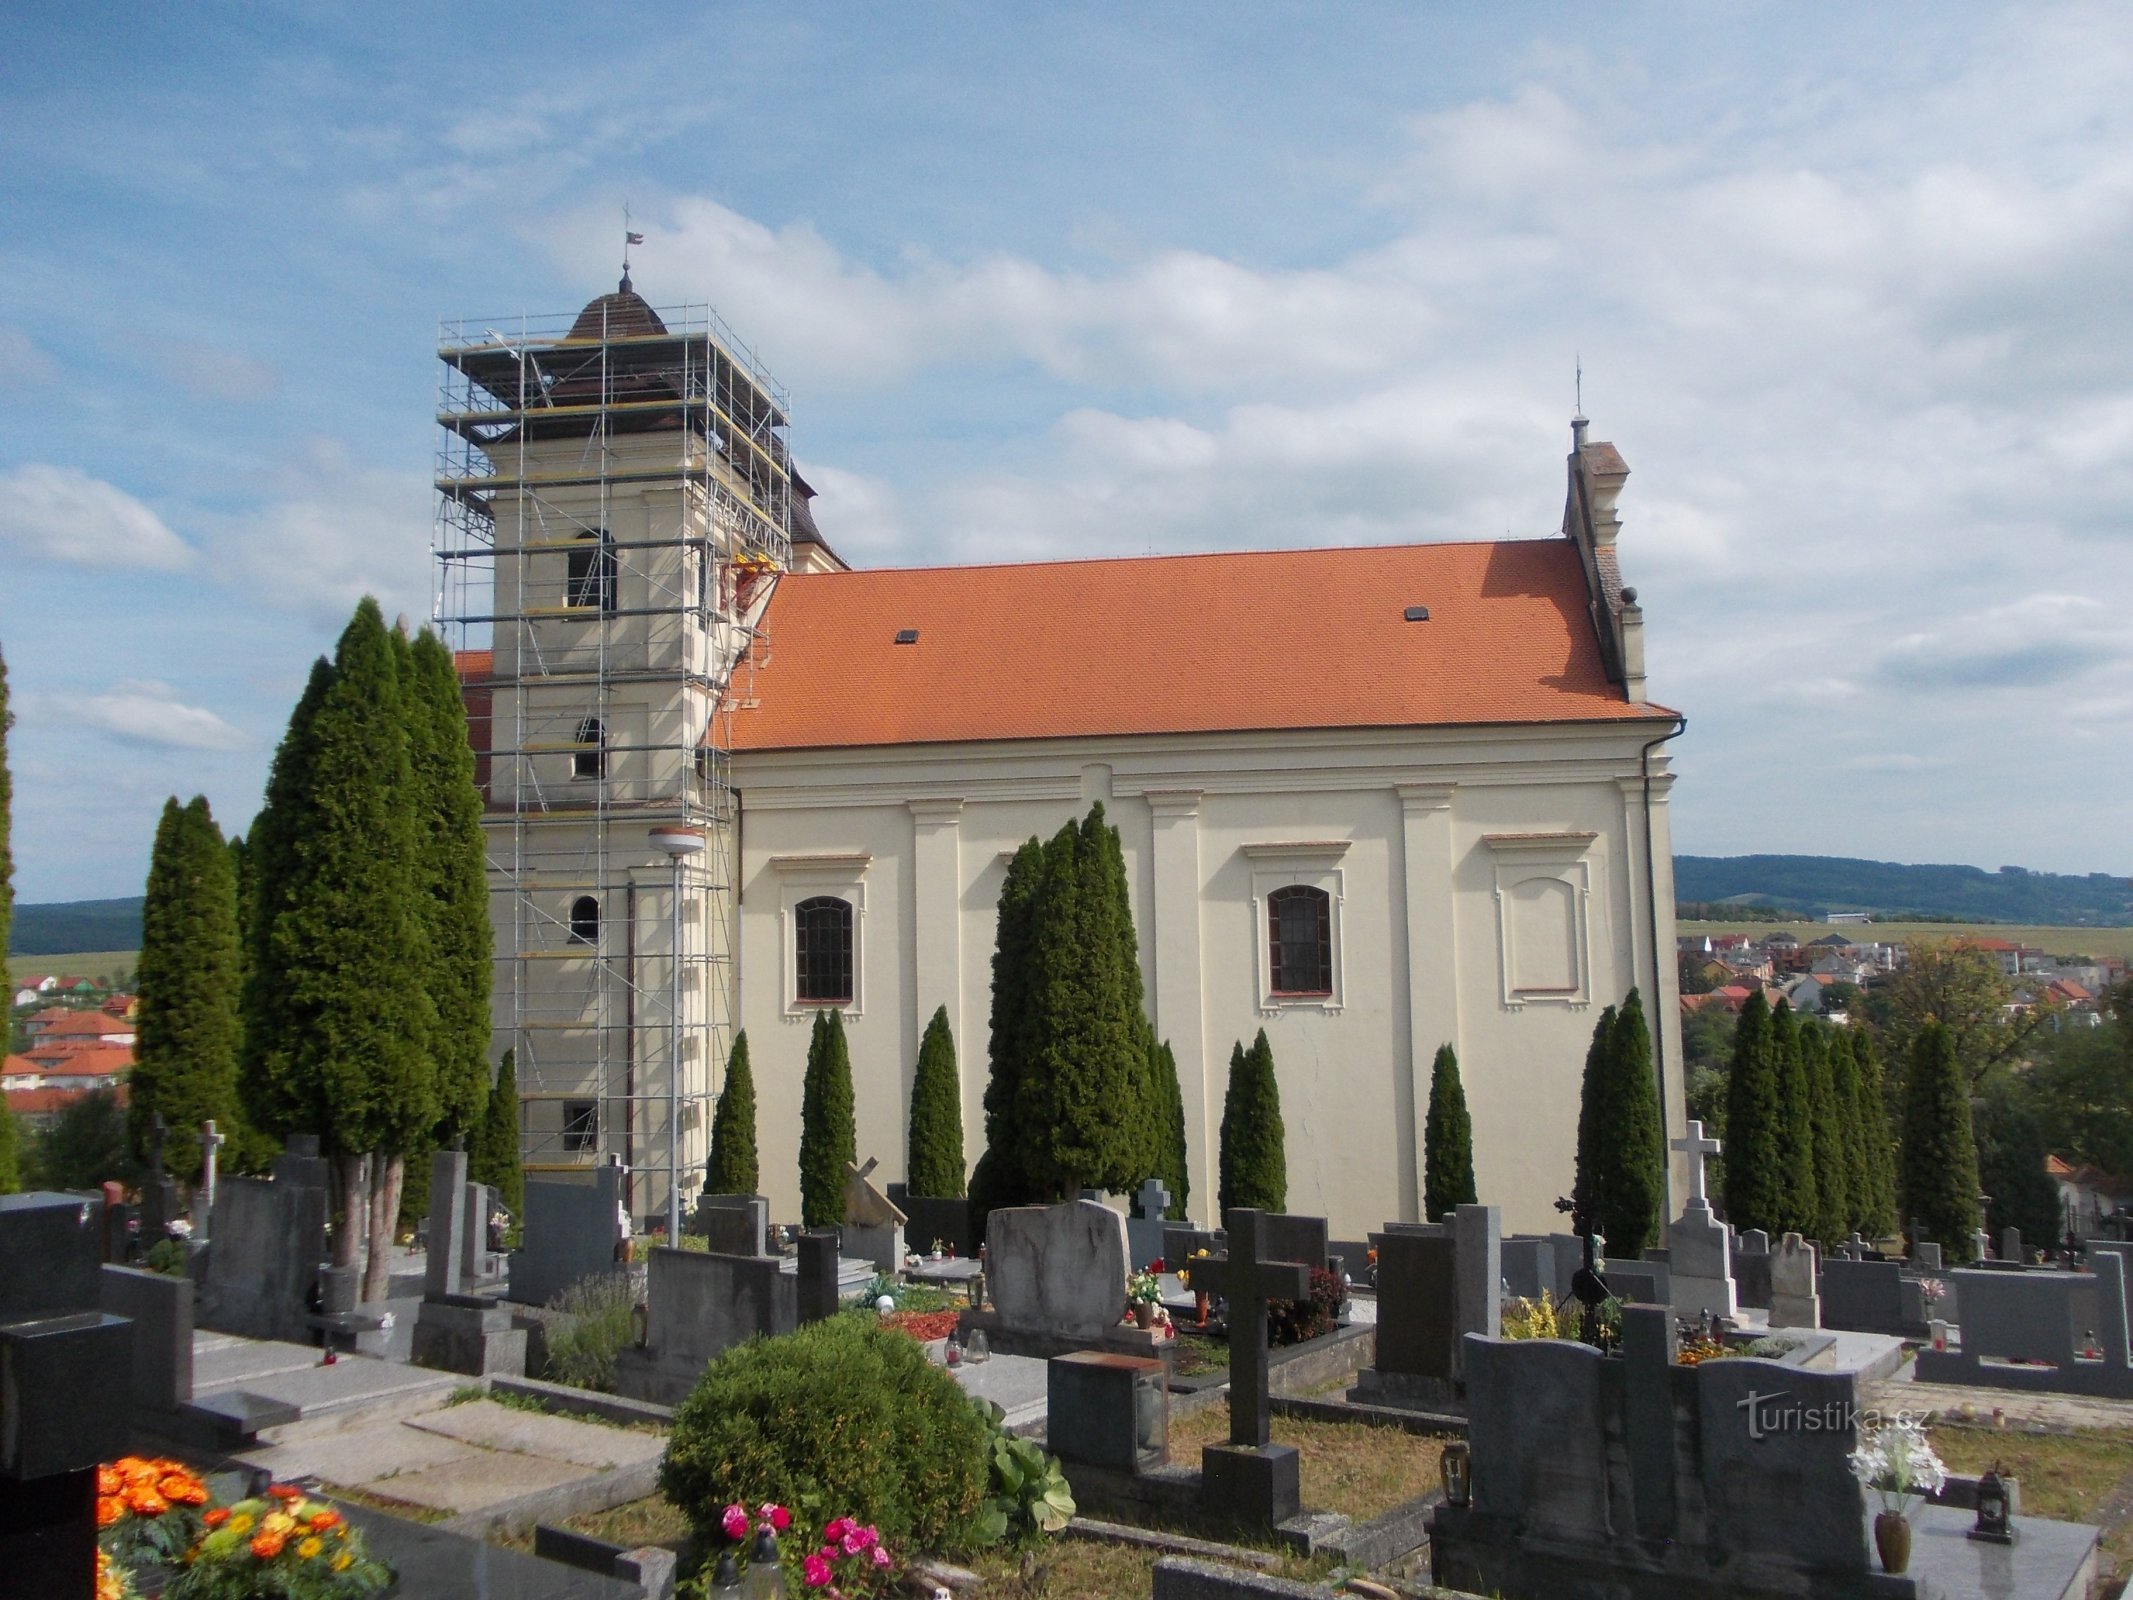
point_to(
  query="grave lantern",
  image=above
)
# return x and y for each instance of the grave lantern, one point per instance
(1456, 1467)
(1992, 1520)
(764, 1579)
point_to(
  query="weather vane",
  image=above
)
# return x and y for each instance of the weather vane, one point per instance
(629, 238)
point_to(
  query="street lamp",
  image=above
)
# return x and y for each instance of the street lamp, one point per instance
(680, 844)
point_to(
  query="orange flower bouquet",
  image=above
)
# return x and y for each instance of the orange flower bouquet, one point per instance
(149, 1510)
(280, 1546)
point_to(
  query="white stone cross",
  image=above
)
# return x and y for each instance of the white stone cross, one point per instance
(212, 1139)
(1695, 1146)
(1155, 1200)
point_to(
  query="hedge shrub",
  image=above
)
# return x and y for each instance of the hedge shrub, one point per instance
(843, 1418)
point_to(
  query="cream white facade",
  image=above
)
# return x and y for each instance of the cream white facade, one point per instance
(1489, 886)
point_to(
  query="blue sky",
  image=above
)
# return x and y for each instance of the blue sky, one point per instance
(1847, 283)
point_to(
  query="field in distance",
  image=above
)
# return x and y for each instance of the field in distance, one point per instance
(85, 964)
(2055, 941)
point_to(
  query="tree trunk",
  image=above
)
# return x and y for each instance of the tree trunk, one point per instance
(384, 1214)
(354, 1220)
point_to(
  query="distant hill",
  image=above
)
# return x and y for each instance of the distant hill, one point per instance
(63, 927)
(1816, 885)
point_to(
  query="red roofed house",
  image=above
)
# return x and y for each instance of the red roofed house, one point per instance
(1371, 799)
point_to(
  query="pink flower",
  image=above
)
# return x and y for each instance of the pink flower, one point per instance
(817, 1572)
(837, 1530)
(735, 1522)
(853, 1543)
(780, 1518)
(881, 1556)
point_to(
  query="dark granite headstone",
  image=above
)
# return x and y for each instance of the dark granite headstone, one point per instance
(817, 1288)
(734, 1224)
(1249, 1481)
(697, 1307)
(1417, 1288)
(161, 1311)
(570, 1232)
(1291, 1237)
(1865, 1297)
(1107, 1410)
(445, 1263)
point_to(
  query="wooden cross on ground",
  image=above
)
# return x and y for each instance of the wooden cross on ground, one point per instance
(1248, 1281)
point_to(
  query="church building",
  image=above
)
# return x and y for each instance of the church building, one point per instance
(1373, 800)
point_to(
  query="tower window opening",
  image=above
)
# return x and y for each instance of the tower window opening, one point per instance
(585, 920)
(590, 581)
(590, 759)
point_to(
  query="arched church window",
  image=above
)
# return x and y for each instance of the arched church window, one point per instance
(590, 580)
(590, 759)
(585, 920)
(1300, 940)
(822, 950)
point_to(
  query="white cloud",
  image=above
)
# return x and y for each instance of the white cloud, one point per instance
(331, 531)
(142, 712)
(62, 514)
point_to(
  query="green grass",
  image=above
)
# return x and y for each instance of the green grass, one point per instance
(2064, 1476)
(2055, 941)
(83, 964)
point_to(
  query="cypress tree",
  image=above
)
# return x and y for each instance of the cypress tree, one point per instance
(1621, 1141)
(1254, 1160)
(733, 1168)
(241, 875)
(1082, 1106)
(1832, 1158)
(452, 882)
(1173, 1169)
(1851, 1133)
(351, 935)
(1587, 1186)
(934, 1159)
(1750, 1174)
(999, 1179)
(1447, 1141)
(273, 853)
(185, 1065)
(1870, 1110)
(1939, 1167)
(494, 1154)
(829, 1135)
(1795, 1127)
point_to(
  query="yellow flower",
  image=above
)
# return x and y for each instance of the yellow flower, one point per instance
(343, 1561)
(310, 1547)
(240, 1523)
(278, 1522)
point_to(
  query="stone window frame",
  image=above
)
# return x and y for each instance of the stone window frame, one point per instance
(1309, 864)
(1560, 857)
(807, 877)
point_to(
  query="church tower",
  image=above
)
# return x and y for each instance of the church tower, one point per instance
(615, 498)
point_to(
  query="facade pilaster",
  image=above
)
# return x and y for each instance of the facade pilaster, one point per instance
(1179, 1007)
(1432, 966)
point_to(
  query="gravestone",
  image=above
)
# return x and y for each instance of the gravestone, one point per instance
(457, 1330)
(1635, 1476)
(64, 1393)
(481, 1269)
(1751, 1268)
(1249, 1481)
(212, 1139)
(1144, 1233)
(1057, 1271)
(734, 1224)
(268, 1242)
(1291, 1237)
(1639, 1282)
(1867, 1297)
(929, 1219)
(816, 1272)
(1182, 1242)
(1699, 1246)
(1529, 1268)
(160, 1307)
(2062, 1332)
(2011, 1246)
(1104, 1409)
(1794, 1300)
(698, 1306)
(1436, 1282)
(159, 1191)
(873, 1228)
(571, 1231)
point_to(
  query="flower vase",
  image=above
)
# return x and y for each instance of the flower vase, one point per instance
(1144, 1313)
(1892, 1538)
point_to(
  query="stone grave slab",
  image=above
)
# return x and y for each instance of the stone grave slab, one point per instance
(2029, 1331)
(1018, 1385)
(586, 1444)
(1057, 1269)
(354, 1457)
(436, 1561)
(476, 1482)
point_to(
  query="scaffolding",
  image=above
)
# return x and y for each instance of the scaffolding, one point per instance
(614, 503)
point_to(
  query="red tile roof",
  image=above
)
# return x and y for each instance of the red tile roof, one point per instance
(89, 1024)
(1175, 644)
(79, 1061)
(33, 1102)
